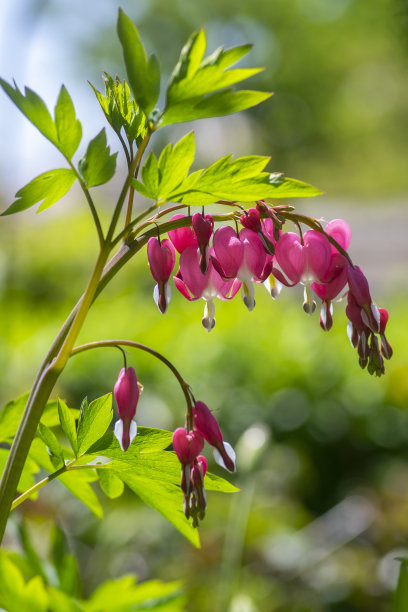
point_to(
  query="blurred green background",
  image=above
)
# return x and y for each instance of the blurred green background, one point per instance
(322, 446)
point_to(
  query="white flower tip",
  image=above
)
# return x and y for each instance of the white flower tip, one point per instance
(119, 433)
(229, 451)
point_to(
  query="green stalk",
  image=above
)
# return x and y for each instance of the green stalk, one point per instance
(118, 343)
(39, 396)
(39, 485)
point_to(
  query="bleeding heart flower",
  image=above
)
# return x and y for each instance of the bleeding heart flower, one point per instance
(126, 392)
(183, 236)
(207, 425)
(243, 258)
(208, 286)
(161, 259)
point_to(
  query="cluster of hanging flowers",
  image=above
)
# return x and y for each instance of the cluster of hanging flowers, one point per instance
(217, 264)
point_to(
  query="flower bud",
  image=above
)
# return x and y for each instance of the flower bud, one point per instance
(126, 392)
(161, 259)
(203, 227)
(252, 220)
(187, 446)
(207, 425)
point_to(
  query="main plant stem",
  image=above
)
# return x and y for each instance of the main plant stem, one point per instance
(40, 393)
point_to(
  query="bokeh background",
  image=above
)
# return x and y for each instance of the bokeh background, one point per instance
(322, 446)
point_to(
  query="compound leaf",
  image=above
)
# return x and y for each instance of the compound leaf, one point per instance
(48, 187)
(98, 166)
(143, 73)
(69, 130)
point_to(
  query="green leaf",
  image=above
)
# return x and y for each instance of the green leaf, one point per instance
(34, 108)
(94, 420)
(10, 417)
(143, 74)
(50, 186)
(77, 482)
(284, 187)
(401, 594)
(98, 166)
(156, 491)
(54, 447)
(62, 602)
(197, 87)
(69, 130)
(216, 105)
(120, 110)
(35, 595)
(67, 420)
(27, 479)
(190, 59)
(124, 594)
(241, 180)
(11, 585)
(150, 175)
(162, 178)
(216, 483)
(111, 485)
(154, 474)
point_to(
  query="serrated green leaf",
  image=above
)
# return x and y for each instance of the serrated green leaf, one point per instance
(111, 485)
(34, 108)
(150, 175)
(285, 187)
(35, 596)
(76, 482)
(67, 420)
(197, 87)
(27, 479)
(62, 602)
(148, 440)
(124, 594)
(215, 105)
(143, 190)
(120, 110)
(154, 476)
(163, 496)
(228, 57)
(50, 186)
(69, 129)
(190, 58)
(11, 585)
(98, 166)
(143, 74)
(54, 447)
(10, 417)
(216, 483)
(163, 177)
(174, 164)
(94, 420)
(241, 180)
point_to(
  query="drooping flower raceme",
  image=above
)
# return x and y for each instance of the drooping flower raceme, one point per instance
(126, 392)
(161, 259)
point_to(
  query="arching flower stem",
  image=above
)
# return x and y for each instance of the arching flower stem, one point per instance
(137, 345)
